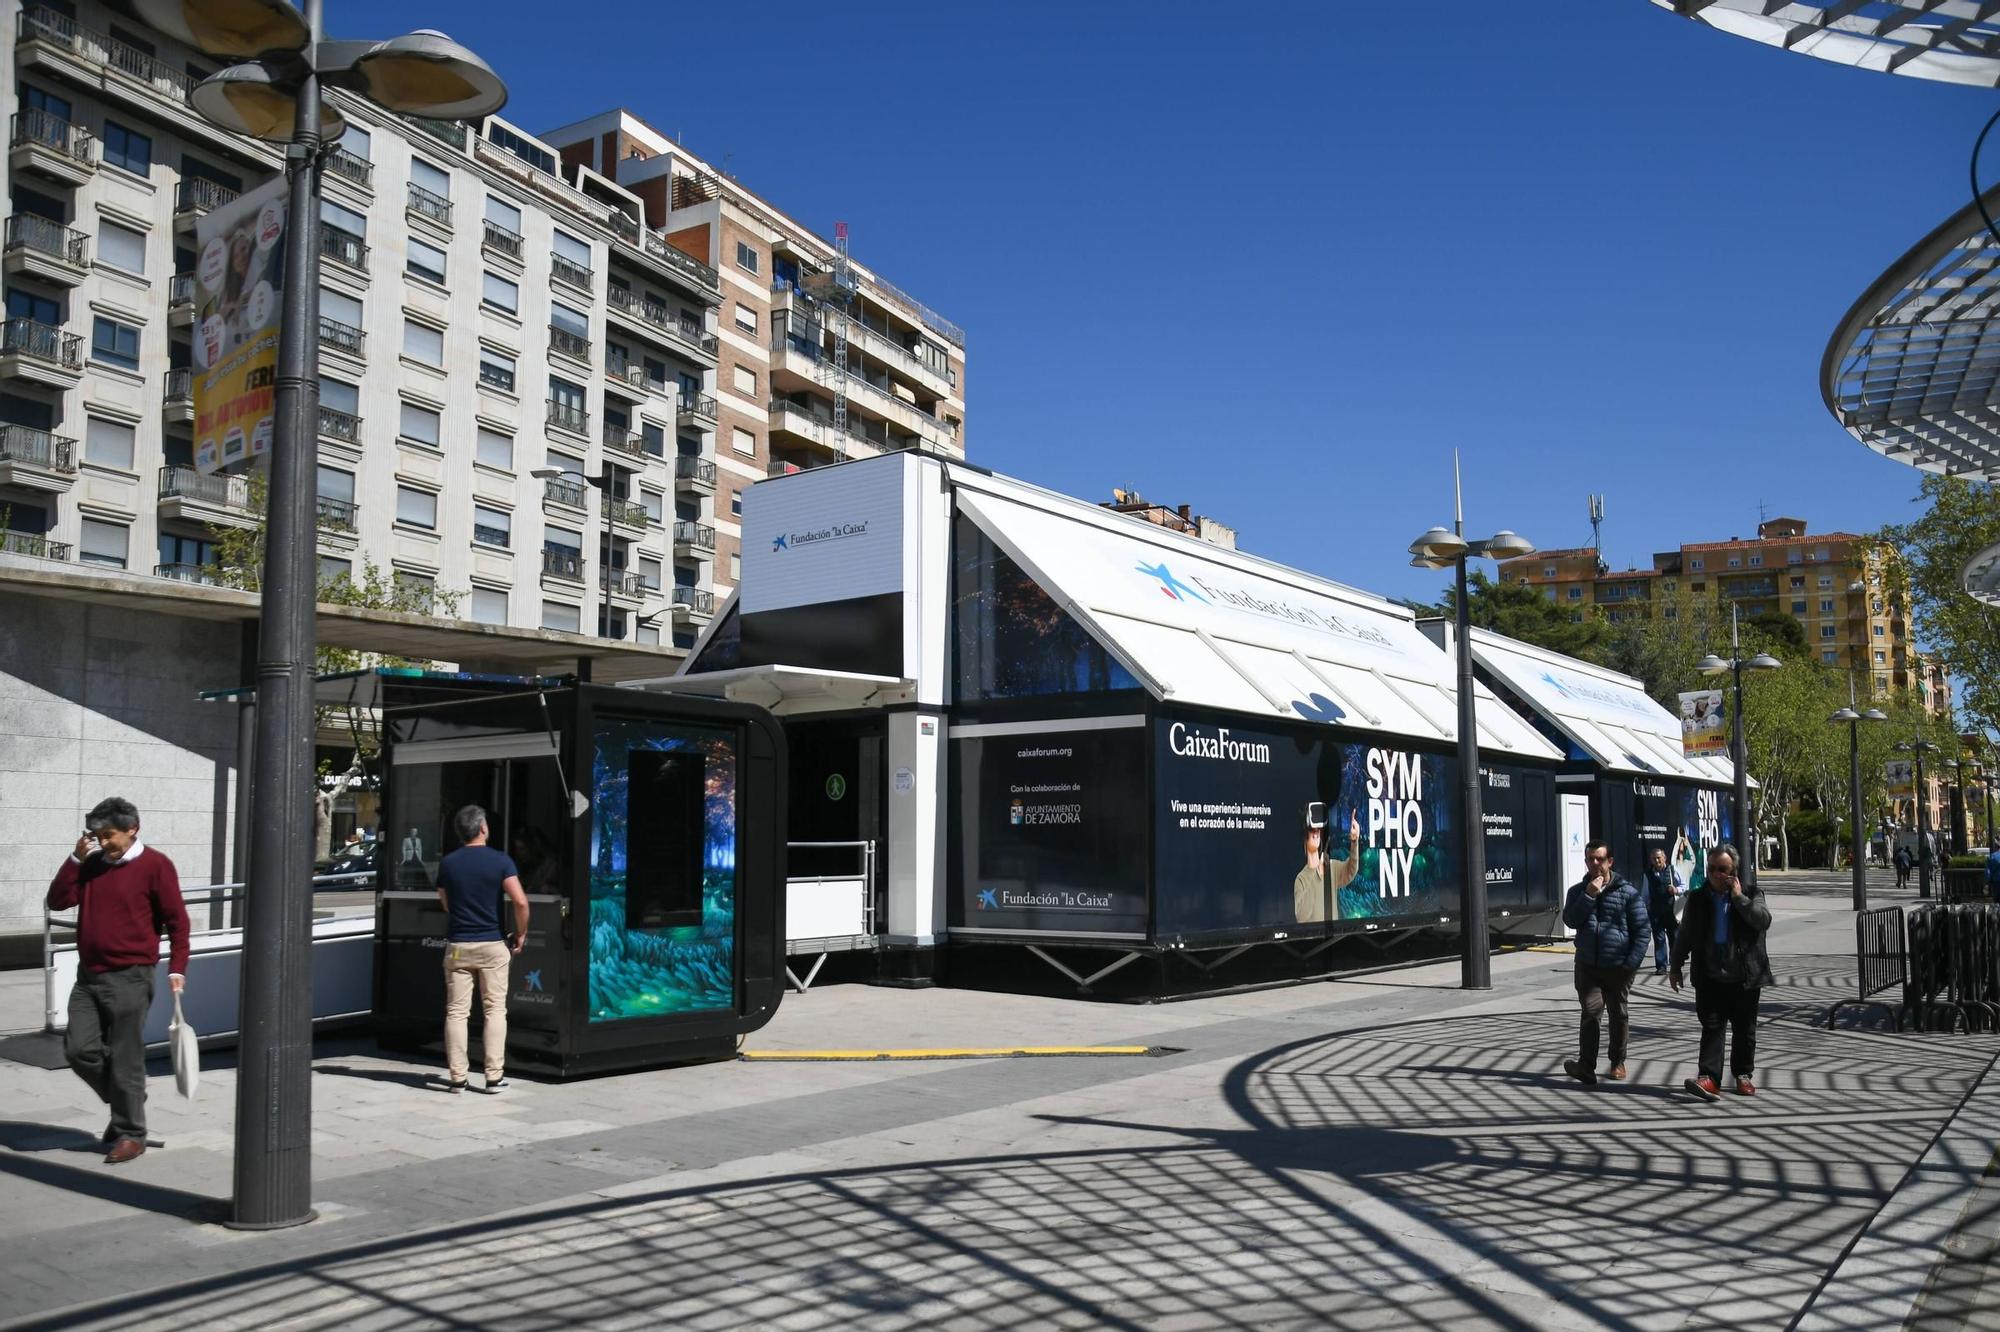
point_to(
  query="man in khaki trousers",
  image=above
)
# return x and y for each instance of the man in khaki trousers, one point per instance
(471, 882)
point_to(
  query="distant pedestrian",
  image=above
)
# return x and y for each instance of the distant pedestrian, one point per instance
(1663, 890)
(1608, 914)
(1993, 874)
(127, 894)
(471, 882)
(1721, 939)
(1904, 861)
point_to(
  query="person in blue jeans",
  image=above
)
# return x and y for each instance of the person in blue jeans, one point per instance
(1661, 891)
(1993, 874)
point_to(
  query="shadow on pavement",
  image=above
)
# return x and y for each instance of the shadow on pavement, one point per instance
(103, 1182)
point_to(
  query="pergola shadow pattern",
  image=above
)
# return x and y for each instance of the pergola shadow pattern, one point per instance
(1428, 1175)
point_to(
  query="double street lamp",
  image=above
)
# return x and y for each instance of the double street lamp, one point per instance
(274, 95)
(1733, 666)
(1919, 748)
(1856, 834)
(1440, 548)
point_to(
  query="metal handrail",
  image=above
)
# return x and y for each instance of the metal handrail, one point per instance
(498, 238)
(561, 414)
(568, 270)
(629, 513)
(204, 574)
(195, 194)
(38, 448)
(352, 167)
(180, 384)
(564, 564)
(336, 514)
(339, 424)
(33, 232)
(699, 600)
(343, 247)
(620, 440)
(563, 492)
(451, 131)
(429, 204)
(34, 545)
(229, 492)
(491, 536)
(497, 376)
(99, 48)
(341, 337)
(688, 532)
(573, 345)
(690, 468)
(36, 126)
(180, 289)
(621, 582)
(700, 405)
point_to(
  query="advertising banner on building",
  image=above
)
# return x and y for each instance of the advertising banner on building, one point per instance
(239, 277)
(1902, 775)
(1704, 730)
(1054, 832)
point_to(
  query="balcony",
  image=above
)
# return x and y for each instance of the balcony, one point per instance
(568, 416)
(180, 300)
(502, 241)
(622, 585)
(696, 410)
(337, 515)
(177, 404)
(33, 546)
(627, 375)
(40, 354)
(50, 146)
(568, 271)
(356, 171)
(434, 207)
(36, 460)
(656, 319)
(626, 513)
(344, 338)
(573, 345)
(195, 196)
(693, 272)
(560, 490)
(1763, 588)
(46, 251)
(207, 575)
(214, 501)
(627, 443)
(562, 565)
(343, 426)
(696, 604)
(448, 131)
(693, 475)
(694, 539)
(343, 247)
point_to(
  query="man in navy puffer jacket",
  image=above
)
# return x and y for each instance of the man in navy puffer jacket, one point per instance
(1612, 931)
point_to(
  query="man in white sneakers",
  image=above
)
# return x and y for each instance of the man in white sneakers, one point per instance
(471, 882)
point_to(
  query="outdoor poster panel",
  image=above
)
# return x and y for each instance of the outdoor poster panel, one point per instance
(1053, 829)
(1514, 806)
(239, 275)
(1703, 731)
(1902, 775)
(1681, 819)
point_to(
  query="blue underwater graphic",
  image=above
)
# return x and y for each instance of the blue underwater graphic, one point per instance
(687, 966)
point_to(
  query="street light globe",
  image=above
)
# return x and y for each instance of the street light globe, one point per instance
(1506, 545)
(1874, 714)
(1438, 544)
(426, 73)
(546, 473)
(232, 29)
(1845, 715)
(1712, 665)
(250, 100)
(1763, 661)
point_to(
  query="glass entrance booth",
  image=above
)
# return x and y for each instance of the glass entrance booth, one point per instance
(649, 831)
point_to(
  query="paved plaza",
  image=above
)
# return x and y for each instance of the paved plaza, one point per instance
(1386, 1151)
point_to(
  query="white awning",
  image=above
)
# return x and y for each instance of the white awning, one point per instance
(1206, 626)
(789, 690)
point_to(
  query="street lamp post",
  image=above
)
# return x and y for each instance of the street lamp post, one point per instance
(1919, 748)
(1734, 666)
(275, 94)
(1856, 834)
(1441, 549)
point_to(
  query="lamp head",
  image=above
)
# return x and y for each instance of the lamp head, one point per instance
(547, 473)
(1438, 547)
(1874, 714)
(425, 73)
(1712, 665)
(231, 29)
(251, 99)
(1845, 715)
(1506, 545)
(1763, 661)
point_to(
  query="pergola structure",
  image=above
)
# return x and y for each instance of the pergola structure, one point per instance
(1951, 41)
(1982, 576)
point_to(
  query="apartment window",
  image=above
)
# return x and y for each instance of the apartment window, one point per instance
(415, 589)
(1694, 564)
(569, 320)
(496, 369)
(423, 343)
(103, 543)
(1548, 571)
(1756, 561)
(339, 307)
(653, 439)
(743, 441)
(500, 294)
(1830, 655)
(735, 568)
(489, 606)
(569, 248)
(340, 397)
(1827, 631)
(495, 449)
(1735, 561)
(34, 99)
(1880, 656)
(746, 258)
(121, 247)
(745, 381)
(108, 443)
(562, 540)
(1819, 553)
(130, 151)
(492, 527)
(567, 396)
(656, 372)
(334, 484)
(1826, 605)
(736, 503)
(746, 318)
(1826, 580)
(114, 343)
(1576, 594)
(648, 634)
(27, 305)
(419, 508)
(1798, 583)
(649, 572)
(1798, 608)
(503, 214)
(332, 570)
(1880, 632)
(425, 261)
(556, 615)
(420, 424)
(342, 219)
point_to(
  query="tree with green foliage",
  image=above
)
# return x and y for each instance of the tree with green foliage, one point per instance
(1523, 612)
(1961, 518)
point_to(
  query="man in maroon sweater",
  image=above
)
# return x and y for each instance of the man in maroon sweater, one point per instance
(128, 893)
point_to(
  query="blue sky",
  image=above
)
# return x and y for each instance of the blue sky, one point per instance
(1255, 260)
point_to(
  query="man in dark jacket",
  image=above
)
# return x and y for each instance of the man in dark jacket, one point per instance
(1661, 890)
(1721, 936)
(1609, 917)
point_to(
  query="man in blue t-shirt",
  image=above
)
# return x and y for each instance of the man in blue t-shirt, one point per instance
(471, 881)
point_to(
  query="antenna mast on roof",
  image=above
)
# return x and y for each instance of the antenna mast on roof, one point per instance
(1597, 530)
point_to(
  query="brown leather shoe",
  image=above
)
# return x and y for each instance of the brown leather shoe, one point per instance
(1703, 1087)
(1745, 1087)
(1617, 1073)
(125, 1149)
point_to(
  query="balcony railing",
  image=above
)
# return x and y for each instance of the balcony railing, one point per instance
(336, 424)
(687, 467)
(42, 342)
(180, 385)
(638, 306)
(225, 492)
(341, 337)
(691, 332)
(37, 448)
(180, 289)
(564, 564)
(698, 600)
(491, 536)
(499, 239)
(28, 231)
(496, 376)
(573, 345)
(195, 195)
(628, 513)
(1749, 589)
(433, 206)
(626, 371)
(567, 416)
(337, 515)
(343, 247)
(656, 246)
(450, 131)
(557, 490)
(33, 545)
(622, 583)
(687, 532)
(567, 270)
(206, 574)
(620, 440)
(348, 166)
(102, 49)
(700, 405)
(38, 128)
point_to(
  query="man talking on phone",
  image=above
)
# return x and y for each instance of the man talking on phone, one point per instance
(1722, 934)
(126, 894)
(1608, 913)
